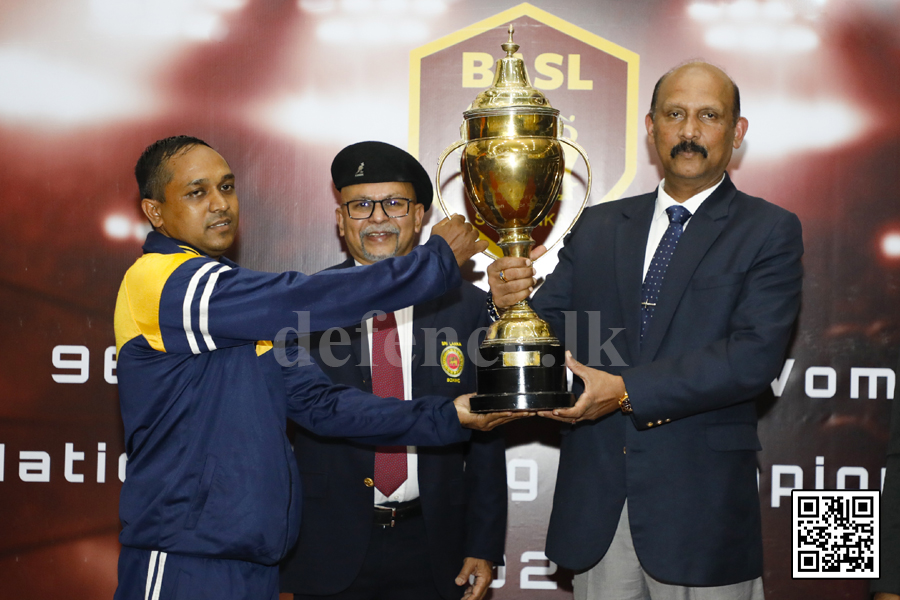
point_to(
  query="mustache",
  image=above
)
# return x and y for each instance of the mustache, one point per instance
(689, 146)
(382, 228)
(225, 216)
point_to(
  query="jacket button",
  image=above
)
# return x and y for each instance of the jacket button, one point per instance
(369, 482)
(650, 424)
(668, 420)
(624, 450)
(659, 422)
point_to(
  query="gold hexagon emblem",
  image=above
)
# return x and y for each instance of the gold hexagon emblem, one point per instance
(591, 80)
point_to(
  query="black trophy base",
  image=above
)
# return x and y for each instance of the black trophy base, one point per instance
(521, 402)
(522, 377)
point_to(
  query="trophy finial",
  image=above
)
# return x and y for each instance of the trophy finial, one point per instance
(510, 47)
(510, 87)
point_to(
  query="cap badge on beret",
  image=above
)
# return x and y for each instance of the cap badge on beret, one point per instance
(359, 170)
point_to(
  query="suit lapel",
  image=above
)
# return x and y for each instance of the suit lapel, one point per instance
(422, 318)
(359, 339)
(703, 229)
(631, 243)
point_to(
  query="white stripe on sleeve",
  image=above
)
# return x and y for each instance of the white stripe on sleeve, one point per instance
(204, 307)
(188, 299)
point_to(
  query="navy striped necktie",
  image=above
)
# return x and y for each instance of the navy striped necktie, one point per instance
(678, 216)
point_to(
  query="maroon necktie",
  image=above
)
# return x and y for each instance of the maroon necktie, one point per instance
(387, 381)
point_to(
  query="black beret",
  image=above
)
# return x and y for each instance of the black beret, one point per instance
(377, 162)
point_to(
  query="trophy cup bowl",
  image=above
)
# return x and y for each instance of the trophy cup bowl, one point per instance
(512, 167)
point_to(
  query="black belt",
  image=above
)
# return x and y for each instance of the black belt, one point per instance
(387, 516)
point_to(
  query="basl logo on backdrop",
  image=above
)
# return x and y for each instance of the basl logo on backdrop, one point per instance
(592, 81)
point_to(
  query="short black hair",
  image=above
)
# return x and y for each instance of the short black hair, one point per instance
(151, 172)
(735, 102)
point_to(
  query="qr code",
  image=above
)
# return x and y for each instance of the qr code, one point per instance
(835, 534)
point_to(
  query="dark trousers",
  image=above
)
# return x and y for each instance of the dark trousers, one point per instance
(396, 567)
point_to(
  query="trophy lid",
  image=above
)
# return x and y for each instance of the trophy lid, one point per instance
(511, 88)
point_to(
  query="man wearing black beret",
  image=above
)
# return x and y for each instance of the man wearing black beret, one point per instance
(401, 523)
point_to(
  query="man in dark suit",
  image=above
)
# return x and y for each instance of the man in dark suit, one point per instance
(656, 493)
(368, 533)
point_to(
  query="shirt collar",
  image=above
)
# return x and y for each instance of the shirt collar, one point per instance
(664, 200)
(157, 243)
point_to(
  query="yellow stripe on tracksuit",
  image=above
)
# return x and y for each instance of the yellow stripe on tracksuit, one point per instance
(137, 306)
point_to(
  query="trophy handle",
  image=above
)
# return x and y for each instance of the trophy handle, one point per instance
(437, 176)
(587, 192)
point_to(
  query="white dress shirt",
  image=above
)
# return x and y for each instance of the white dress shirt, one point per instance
(660, 221)
(409, 489)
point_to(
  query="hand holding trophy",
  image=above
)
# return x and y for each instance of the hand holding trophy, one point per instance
(512, 166)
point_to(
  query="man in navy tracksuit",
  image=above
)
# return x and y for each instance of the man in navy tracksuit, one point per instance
(211, 500)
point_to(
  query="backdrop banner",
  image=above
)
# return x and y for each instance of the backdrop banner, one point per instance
(278, 87)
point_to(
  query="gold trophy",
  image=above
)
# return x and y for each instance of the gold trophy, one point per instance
(512, 166)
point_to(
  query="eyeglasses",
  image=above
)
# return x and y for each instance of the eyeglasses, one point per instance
(394, 208)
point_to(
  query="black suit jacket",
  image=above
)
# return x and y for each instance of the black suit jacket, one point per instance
(686, 458)
(889, 580)
(462, 487)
